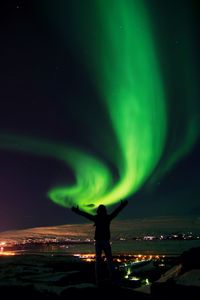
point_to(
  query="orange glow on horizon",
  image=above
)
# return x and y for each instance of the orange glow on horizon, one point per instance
(7, 253)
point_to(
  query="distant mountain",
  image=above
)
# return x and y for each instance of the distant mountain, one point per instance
(61, 231)
(119, 228)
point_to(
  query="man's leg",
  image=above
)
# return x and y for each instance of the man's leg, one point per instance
(98, 250)
(109, 258)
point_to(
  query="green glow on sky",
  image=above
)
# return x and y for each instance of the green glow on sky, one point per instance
(130, 84)
(128, 79)
(123, 63)
(124, 66)
(93, 179)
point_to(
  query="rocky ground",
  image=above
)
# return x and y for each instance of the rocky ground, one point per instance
(62, 276)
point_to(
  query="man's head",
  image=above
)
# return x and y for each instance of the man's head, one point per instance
(101, 210)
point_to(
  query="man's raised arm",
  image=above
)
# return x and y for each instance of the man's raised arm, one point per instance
(82, 213)
(118, 209)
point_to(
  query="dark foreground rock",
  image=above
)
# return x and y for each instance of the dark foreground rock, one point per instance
(60, 277)
(82, 292)
(182, 281)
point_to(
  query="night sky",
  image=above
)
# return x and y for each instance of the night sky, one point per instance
(99, 101)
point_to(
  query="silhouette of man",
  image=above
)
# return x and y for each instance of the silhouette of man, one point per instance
(102, 235)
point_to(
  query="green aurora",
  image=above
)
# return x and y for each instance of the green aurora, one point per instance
(126, 72)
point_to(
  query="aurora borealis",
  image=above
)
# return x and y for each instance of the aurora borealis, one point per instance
(136, 114)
